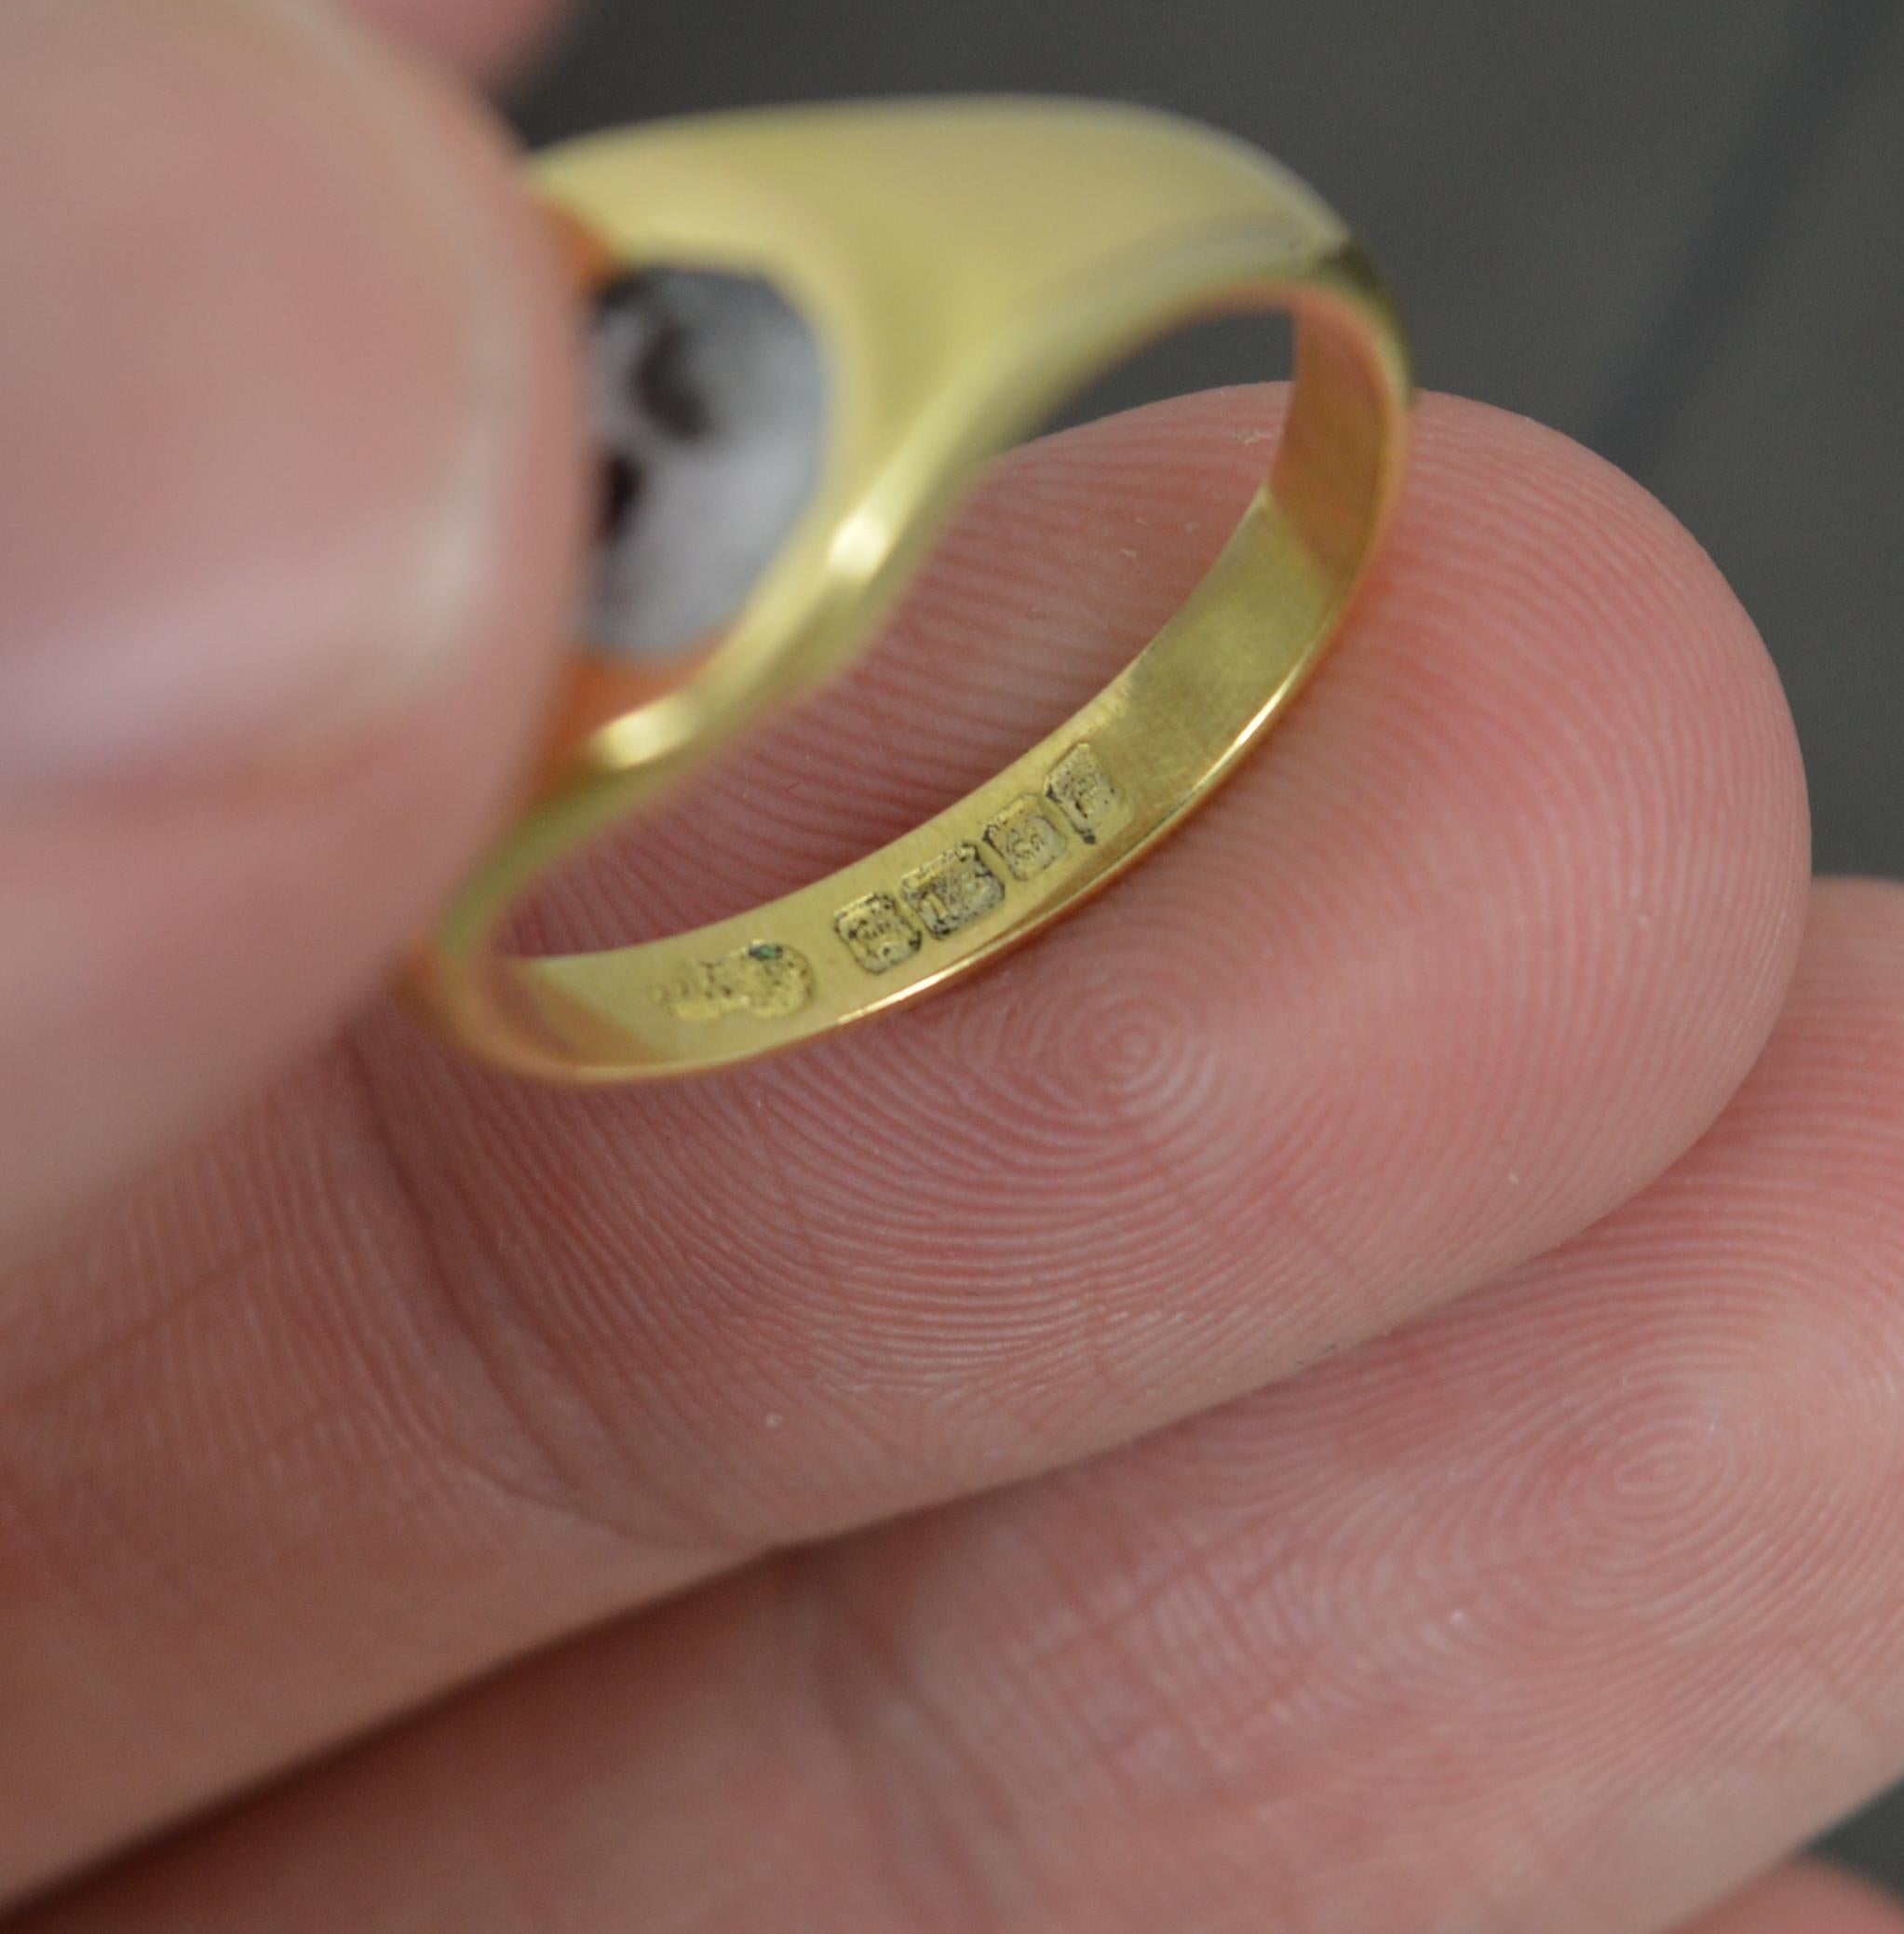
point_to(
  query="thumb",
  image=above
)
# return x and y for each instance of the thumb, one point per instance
(288, 505)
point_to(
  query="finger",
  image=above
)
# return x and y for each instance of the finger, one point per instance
(1568, 1608)
(486, 36)
(1805, 1899)
(285, 515)
(1441, 978)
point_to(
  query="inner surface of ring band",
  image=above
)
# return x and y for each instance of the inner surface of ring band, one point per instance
(1059, 820)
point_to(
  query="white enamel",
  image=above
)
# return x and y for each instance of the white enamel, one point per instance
(711, 391)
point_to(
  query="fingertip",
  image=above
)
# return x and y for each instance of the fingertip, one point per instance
(310, 525)
(1807, 1898)
(1477, 945)
(1604, 779)
(270, 406)
(485, 38)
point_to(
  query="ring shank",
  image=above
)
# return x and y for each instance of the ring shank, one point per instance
(1058, 823)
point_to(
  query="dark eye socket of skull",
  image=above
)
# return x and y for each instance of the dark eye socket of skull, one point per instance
(665, 384)
(621, 491)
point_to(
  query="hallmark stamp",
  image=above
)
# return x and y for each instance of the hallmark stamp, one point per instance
(878, 931)
(953, 890)
(1025, 838)
(1086, 794)
(765, 979)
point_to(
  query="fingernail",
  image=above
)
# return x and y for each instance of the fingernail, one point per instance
(258, 371)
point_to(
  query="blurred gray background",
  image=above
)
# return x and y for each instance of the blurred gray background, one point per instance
(1672, 228)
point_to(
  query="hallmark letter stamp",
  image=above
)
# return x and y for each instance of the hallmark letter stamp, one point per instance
(953, 890)
(1025, 837)
(1080, 788)
(877, 931)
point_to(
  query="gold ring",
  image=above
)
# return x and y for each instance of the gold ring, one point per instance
(940, 276)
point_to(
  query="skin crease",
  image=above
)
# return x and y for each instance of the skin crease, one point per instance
(406, 1371)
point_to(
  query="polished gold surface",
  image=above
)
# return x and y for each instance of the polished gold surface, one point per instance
(968, 265)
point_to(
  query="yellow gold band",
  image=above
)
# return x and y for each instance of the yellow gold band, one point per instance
(967, 265)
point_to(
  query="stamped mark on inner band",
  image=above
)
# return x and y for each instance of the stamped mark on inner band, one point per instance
(766, 978)
(878, 930)
(1086, 794)
(953, 890)
(1025, 838)
(883, 931)
(963, 886)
